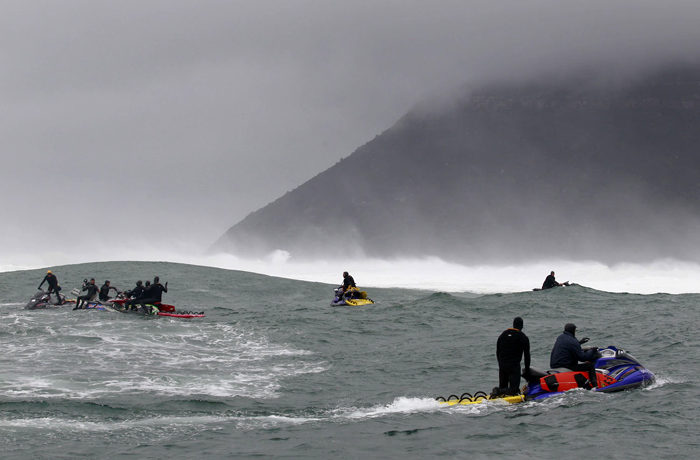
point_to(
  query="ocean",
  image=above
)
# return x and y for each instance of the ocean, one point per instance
(274, 371)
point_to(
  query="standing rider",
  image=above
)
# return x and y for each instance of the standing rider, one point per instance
(53, 286)
(512, 344)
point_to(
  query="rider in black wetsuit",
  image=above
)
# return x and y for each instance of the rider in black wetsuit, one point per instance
(53, 286)
(567, 353)
(348, 282)
(136, 294)
(91, 289)
(550, 282)
(104, 291)
(153, 294)
(137, 291)
(512, 344)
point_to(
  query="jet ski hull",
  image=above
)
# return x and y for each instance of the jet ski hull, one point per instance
(42, 301)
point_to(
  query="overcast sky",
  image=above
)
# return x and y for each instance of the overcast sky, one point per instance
(124, 122)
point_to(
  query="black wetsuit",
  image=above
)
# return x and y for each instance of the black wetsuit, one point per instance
(53, 286)
(550, 282)
(136, 292)
(136, 295)
(567, 353)
(92, 290)
(153, 294)
(348, 281)
(104, 292)
(512, 344)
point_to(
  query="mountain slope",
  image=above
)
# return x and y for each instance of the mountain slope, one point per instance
(511, 171)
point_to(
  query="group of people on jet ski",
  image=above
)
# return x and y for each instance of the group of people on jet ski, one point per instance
(140, 295)
(512, 345)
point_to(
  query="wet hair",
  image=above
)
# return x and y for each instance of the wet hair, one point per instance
(156, 279)
(148, 283)
(570, 327)
(139, 283)
(518, 322)
(345, 273)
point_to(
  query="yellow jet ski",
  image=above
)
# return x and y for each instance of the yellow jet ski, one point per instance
(352, 297)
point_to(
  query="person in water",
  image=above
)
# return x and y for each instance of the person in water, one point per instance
(154, 294)
(550, 282)
(348, 282)
(104, 291)
(512, 344)
(51, 279)
(567, 353)
(91, 289)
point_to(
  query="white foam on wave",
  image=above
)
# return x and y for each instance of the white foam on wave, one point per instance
(668, 275)
(400, 405)
(156, 426)
(166, 359)
(661, 381)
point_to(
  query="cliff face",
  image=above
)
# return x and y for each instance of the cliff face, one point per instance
(509, 172)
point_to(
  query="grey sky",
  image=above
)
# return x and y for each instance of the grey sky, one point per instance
(158, 121)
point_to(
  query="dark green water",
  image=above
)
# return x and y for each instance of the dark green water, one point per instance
(274, 371)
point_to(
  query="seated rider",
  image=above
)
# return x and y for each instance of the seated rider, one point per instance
(348, 282)
(51, 279)
(567, 353)
(550, 282)
(136, 294)
(137, 291)
(104, 291)
(91, 289)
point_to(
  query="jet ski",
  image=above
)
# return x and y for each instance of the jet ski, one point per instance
(41, 300)
(352, 297)
(616, 370)
(157, 309)
(564, 284)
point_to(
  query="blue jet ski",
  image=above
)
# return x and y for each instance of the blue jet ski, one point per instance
(616, 370)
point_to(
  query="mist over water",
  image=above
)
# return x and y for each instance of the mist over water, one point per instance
(664, 275)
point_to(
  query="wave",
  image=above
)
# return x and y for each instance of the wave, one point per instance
(431, 273)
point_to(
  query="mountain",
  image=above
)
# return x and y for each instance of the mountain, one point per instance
(566, 167)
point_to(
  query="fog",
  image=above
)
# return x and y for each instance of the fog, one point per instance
(144, 129)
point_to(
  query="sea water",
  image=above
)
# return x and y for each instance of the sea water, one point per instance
(274, 371)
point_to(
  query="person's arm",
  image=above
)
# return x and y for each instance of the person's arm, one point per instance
(42, 282)
(578, 351)
(165, 287)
